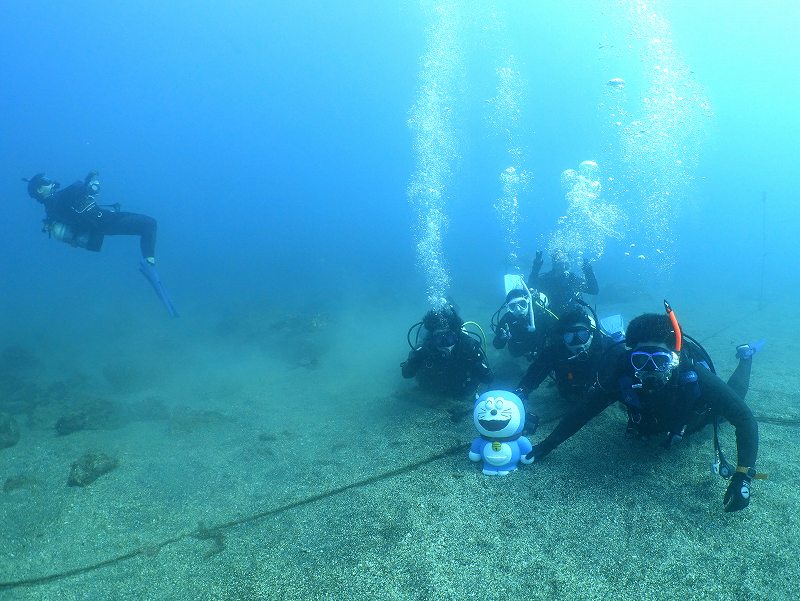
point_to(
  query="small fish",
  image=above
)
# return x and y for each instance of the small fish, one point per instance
(616, 82)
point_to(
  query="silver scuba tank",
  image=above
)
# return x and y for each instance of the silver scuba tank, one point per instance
(63, 233)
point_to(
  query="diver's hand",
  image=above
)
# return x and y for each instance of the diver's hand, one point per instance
(533, 455)
(538, 261)
(737, 497)
(410, 367)
(587, 265)
(414, 356)
(505, 332)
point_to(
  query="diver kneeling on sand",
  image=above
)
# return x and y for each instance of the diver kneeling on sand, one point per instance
(72, 215)
(668, 386)
(445, 357)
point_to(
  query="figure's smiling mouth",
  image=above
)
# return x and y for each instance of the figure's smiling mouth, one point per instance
(493, 425)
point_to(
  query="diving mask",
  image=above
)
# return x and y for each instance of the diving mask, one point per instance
(660, 360)
(654, 368)
(518, 307)
(444, 340)
(46, 188)
(577, 339)
(577, 336)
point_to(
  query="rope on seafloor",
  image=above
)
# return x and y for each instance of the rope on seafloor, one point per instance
(204, 532)
(778, 420)
(729, 325)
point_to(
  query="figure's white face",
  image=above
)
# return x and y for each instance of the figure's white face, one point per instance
(497, 417)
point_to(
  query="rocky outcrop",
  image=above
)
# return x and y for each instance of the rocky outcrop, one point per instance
(89, 468)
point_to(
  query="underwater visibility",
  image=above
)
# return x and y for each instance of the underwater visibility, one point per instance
(436, 300)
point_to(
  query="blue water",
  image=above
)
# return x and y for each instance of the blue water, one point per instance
(270, 140)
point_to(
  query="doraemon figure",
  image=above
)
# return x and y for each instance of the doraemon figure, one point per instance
(499, 417)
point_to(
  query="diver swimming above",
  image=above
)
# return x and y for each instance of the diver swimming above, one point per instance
(73, 216)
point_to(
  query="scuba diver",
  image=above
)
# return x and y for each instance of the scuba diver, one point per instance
(449, 360)
(524, 325)
(560, 285)
(668, 386)
(73, 216)
(571, 353)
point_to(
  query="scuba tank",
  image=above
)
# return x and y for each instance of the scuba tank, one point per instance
(63, 233)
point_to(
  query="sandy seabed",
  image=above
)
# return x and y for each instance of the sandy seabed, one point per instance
(271, 455)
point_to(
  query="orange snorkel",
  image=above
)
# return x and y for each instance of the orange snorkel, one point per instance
(675, 326)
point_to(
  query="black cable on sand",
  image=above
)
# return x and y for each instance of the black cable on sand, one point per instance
(206, 532)
(203, 532)
(778, 420)
(729, 325)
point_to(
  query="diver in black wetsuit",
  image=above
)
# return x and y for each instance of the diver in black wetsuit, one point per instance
(668, 387)
(448, 361)
(73, 215)
(571, 353)
(513, 330)
(559, 284)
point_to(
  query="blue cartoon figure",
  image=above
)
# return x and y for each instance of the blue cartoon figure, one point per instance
(499, 417)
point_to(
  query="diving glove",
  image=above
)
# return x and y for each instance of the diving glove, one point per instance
(504, 333)
(533, 455)
(737, 497)
(538, 261)
(410, 367)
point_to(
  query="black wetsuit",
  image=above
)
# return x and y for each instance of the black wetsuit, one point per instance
(74, 206)
(458, 373)
(561, 288)
(521, 341)
(682, 406)
(574, 375)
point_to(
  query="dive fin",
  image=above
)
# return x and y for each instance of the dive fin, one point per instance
(613, 325)
(148, 270)
(746, 351)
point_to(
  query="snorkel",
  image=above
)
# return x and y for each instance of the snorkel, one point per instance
(531, 320)
(675, 326)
